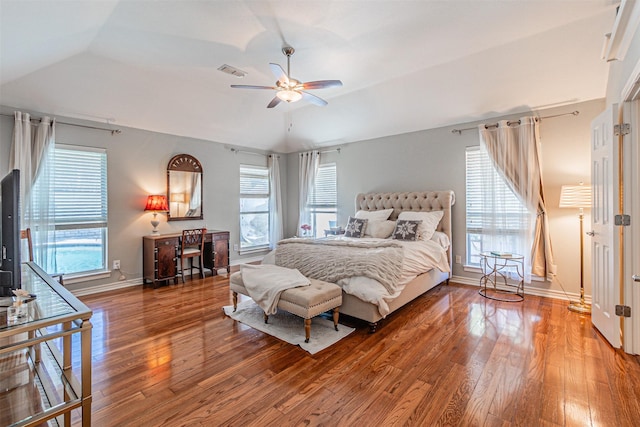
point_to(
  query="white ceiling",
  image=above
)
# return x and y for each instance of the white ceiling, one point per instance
(405, 65)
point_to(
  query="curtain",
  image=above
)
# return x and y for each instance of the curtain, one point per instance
(195, 199)
(33, 154)
(307, 174)
(275, 202)
(514, 150)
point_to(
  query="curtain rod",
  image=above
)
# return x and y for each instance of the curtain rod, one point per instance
(113, 131)
(331, 151)
(325, 151)
(236, 151)
(459, 131)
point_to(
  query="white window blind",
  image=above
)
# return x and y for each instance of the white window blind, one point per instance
(323, 199)
(254, 181)
(254, 207)
(80, 187)
(501, 210)
(76, 191)
(324, 193)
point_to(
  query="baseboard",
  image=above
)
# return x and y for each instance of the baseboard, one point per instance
(528, 290)
(120, 284)
(548, 293)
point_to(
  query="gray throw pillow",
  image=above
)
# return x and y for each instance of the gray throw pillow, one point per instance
(355, 227)
(406, 229)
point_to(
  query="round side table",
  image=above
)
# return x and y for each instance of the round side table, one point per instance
(495, 268)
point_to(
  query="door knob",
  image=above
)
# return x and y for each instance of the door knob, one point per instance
(636, 278)
(591, 233)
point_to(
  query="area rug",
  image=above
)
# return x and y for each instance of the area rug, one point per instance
(288, 327)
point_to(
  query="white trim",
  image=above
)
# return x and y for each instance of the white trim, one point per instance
(85, 277)
(107, 287)
(634, 78)
(121, 284)
(624, 28)
(630, 96)
(248, 260)
(528, 290)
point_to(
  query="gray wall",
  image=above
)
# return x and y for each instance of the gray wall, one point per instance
(426, 160)
(137, 164)
(435, 160)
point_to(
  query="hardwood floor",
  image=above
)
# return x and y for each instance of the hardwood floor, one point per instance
(170, 356)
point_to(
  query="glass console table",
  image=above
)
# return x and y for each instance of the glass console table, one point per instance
(39, 382)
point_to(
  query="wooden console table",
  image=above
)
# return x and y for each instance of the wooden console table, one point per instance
(40, 382)
(160, 255)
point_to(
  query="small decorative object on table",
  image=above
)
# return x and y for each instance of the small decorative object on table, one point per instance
(19, 311)
(306, 229)
(502, 254)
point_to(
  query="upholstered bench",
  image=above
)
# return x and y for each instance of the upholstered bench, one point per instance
(305, 301)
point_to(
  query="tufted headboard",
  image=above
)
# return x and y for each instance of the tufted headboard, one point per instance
(417, 201)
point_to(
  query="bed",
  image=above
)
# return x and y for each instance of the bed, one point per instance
(410, 285)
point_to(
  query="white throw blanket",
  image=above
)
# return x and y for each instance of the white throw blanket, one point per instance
(332, 260)
(265, 283)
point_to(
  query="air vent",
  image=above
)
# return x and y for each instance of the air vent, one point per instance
(232, 70)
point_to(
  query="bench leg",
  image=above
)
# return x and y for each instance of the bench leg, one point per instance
(235, 301)
(307, 329)
(266, 318)
(336, 315)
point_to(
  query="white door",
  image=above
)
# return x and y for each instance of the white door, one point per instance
(605, 289)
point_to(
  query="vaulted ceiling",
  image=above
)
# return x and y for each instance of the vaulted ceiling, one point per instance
(405, 65)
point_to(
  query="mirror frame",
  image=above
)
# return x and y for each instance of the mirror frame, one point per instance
(185, 163)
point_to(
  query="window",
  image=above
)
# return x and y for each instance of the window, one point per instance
(254, 207)
(323, 199)
(77, 211)
(500, 210)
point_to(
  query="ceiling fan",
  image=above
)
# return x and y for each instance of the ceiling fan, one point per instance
(289, 89)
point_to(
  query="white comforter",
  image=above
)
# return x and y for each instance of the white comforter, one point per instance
(419, 257)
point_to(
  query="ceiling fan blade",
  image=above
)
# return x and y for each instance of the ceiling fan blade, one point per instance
(321, 84)
(278, 71)
(252, 87)
(275, 101)
(313, 99)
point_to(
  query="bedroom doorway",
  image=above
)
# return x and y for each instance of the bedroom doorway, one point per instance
(631, 115)
(619, 279)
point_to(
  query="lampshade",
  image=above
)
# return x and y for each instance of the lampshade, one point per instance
(157, 203)
(289, 95)
(177, 197)
(575, 196)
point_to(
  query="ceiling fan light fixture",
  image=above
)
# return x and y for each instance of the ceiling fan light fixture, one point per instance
(289, 95)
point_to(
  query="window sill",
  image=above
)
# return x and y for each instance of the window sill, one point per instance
(474, 269)
(85, 277)
(249, 251)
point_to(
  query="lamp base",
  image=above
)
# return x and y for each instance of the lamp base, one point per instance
(579, 307)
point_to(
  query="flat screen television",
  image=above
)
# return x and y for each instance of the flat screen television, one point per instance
(10, 231)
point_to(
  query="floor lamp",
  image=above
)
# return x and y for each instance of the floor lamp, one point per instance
(578, 197)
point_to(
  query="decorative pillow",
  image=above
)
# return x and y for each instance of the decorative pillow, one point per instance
(379, 229)
(374, 215)
(406, 229)
(430, 221)
(441, 238)
(355, 227)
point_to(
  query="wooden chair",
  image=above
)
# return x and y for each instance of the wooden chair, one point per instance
(26, 235)
(191, 246)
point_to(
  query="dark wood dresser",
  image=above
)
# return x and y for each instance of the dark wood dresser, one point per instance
(160, 255)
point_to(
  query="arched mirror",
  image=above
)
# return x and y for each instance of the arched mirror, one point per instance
(184, 188)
